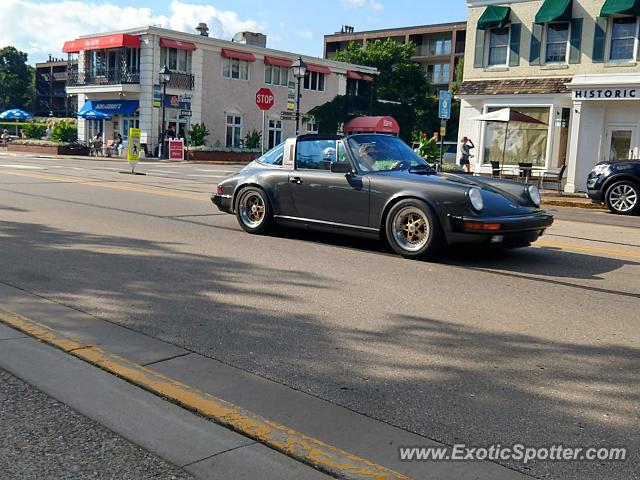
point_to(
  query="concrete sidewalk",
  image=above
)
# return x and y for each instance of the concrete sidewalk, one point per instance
(202, 448)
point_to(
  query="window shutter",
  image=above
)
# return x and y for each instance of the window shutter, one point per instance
(514, 44)
(478, 59)
(536, 37)
(599, 38)
(576, 40)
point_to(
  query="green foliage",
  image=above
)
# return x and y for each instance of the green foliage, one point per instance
(458, 76)
(253, 139)
(428, 148)
(64, 132)
(197, 134)
(17, 80)
(35, 130)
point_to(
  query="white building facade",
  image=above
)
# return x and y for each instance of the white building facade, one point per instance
(572, 64)
(212, 81)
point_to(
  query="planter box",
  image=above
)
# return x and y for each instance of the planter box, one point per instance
(50, 149)
(234, 157)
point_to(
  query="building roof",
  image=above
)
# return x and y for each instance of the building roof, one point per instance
(522, 86)
(435, 28)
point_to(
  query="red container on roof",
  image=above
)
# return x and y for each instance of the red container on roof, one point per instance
(372, 125)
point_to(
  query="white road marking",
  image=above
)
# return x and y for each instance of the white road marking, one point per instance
(209, 176)
(23, 167)
(215, 170)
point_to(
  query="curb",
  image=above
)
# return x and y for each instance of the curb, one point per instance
(310, 451)
(571, 203)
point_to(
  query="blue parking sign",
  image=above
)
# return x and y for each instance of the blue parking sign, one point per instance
(445, 104)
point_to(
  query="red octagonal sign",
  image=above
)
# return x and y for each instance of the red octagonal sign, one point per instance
(264, 99)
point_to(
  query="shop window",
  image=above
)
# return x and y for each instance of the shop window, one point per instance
(176, 59)
(622, 44)
(234, 130)
(526, 142)
(557, 39)
(314, 81)
(275, 75)
(498, 50)
(235, 68)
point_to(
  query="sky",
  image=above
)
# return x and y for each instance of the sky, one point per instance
(40, 28)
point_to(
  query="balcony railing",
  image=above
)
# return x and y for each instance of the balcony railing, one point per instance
(432, 51)
(182, 81)
(102, 77)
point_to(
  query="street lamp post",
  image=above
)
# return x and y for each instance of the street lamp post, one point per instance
(165, 78)
(299, 70)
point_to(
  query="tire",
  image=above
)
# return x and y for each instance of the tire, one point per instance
(413, 230)
(253, 211)
(623, 198)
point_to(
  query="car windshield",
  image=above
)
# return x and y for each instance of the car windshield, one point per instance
(375, 153)
(273, 156)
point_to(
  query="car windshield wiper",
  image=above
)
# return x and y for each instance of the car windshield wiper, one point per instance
(421, 169)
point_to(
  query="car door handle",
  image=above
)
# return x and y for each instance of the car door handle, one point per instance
(297, 180)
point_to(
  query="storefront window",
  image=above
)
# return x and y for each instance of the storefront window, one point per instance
(234, 130)
(526, 142)
(623, 38)
(557, 37)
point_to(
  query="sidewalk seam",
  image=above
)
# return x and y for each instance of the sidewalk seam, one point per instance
(219, 453)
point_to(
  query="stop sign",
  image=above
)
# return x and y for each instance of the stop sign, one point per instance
(264, 99)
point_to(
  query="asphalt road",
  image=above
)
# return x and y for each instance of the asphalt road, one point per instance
(537, 346)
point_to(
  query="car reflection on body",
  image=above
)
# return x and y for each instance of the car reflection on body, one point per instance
(375, 186)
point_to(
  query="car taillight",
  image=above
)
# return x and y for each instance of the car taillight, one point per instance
(480, 226)
(219, 190)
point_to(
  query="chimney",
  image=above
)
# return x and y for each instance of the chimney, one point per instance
(203, 29)
(251, 38)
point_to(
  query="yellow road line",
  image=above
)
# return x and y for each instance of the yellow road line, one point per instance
(616, 252)
(112, 186)
(313, 452)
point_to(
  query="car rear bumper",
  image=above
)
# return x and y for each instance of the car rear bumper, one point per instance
(223, 202)
(507, 231)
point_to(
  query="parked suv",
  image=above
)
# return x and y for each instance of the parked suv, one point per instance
(616, 184)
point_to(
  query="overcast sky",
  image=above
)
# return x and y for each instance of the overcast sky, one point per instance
(39, 28)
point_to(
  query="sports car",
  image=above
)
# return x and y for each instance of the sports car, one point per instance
(376, 186)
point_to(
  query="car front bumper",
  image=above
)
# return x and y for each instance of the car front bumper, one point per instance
(223, 202)
(507, 231)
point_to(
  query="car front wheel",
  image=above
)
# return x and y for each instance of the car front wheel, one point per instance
(623, 197)
(413, 230)
(253, 211)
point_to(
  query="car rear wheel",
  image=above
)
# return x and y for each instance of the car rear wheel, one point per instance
(623, 197)
(413, 230)
(253, 211)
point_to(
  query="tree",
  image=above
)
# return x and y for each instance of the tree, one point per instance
(16, 80)
(401, 90)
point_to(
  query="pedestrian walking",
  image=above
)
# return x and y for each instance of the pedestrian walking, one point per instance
(465, 147)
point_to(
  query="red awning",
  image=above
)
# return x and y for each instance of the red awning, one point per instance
(318, 69)
(354, 75)
(372, 124)
(280, 62)
(367, 78)
(98, 43)
(246, 56)
(179, 44)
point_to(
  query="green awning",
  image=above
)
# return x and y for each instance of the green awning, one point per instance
(554, 11)
(620, 7)
(494, 17)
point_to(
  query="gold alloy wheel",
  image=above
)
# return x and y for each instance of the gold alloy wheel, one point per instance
(252, 209)
(411, 229)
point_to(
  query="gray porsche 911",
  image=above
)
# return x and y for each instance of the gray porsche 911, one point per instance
(376, 186)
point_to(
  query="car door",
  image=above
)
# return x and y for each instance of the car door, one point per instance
(324, 196)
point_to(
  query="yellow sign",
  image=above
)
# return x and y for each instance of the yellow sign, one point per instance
(133, 151)
(443, 131)
(291, 106)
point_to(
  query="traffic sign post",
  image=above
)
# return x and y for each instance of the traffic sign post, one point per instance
(264, 100)
(444, 112)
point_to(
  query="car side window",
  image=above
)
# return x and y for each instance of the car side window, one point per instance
(273, 156)
(315, 154)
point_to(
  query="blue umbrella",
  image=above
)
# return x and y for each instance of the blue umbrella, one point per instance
(93, 115)
(15, 114)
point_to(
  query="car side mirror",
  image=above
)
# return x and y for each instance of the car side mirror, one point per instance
(341, 167)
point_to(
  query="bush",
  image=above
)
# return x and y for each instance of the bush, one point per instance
(253, 139)
(197, 134)
(64, 132)
(35, 130)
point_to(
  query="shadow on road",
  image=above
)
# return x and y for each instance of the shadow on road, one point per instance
(441, 379)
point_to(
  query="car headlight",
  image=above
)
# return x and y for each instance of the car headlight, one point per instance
(475, 198)
(534, 194)
(601, 169)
